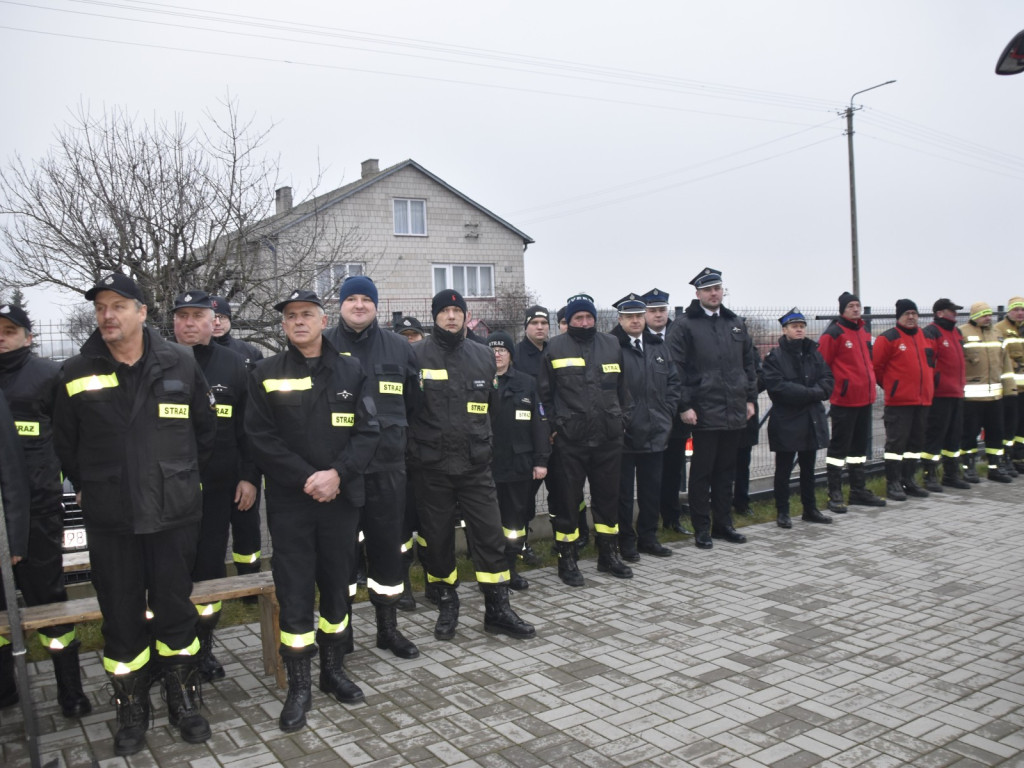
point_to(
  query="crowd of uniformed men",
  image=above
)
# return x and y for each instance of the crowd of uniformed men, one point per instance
(371, 445)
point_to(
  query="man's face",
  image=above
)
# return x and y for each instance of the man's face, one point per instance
(562, 325)
(1016, 315)
(908, 320)
(193, 325)
(711, 297)
(412, 336)
(984, 320)
(794, 331)
(452, 319)
(358, 311)
(303, 322)
(537, 330)
(582, 320)
(657, 318)
(501, 358)
(852, 311)
(221, 325)
(946, 314)
(633, 324)
(12, 336)
(117, 317)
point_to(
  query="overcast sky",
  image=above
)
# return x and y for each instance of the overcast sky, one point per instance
(636, 143)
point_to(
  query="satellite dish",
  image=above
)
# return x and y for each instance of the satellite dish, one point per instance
(1012, 60)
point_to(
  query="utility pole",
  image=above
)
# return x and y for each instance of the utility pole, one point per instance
(848, 113)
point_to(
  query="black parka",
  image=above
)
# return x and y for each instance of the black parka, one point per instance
(520, 428)
(653, 383)
(798, 382)
(250, 353)
(13, 483)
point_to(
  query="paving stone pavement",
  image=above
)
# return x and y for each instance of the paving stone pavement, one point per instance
(893, 637)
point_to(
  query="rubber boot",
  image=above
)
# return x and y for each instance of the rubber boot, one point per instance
(995, 472)
(568, 571)
(72, 699)
(300, 693)
(608, 557)
(970, 468)
(333, 680)
(184, 697)
(8, 686)
(448, 613)
(859, 493)
(209, 668)
(931, 477)
(813, 515)
(131, 697)
(388, 636)
(499, 618)
(834, 476)
(953, 474)
(908, 473)
(894, 481)
(516, 581)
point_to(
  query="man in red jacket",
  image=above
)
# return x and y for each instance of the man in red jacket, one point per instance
(905, 370)
(946, 416)
(846, 347)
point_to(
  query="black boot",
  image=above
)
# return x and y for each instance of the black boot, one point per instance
(834, 476)
(782, 518)
(931, 476)
(515, 580)
(448, 613)
(431, 589)
(608, 557)
(8, 687)
(388, 636)
(131, 696)
(812, 515)
(300, 693)
(406, 602)
(527, 555)
(568, 571)
(970, 468)
(1006, 463)
(72, 699)
(953, 474)
(184, 697)
(209, 668)
(995, 472)
(499, 618)
(908, 473)
(859, 493)
(1017, 456)
(894, 480)
(333, 680)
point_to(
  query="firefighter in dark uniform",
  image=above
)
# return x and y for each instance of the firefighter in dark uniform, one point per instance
(410, 329)
(246, 537)
(450, 452)
(230, 477)
(312, 427)
(584, 393)
(134, 423)
(391, 377)
(30, 384)
(521, 449)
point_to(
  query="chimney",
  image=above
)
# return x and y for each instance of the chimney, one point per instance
(283, 199)
(370, 167)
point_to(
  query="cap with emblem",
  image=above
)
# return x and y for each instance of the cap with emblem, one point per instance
(299, 295)
(655, 298)
(793, 316)
(16, 315)
(409, 325)
(198, 299)
(707, 278)
(117, 283)
(941, 304)
(221, 306)
(532, 313)
(501, 340)
(631, 304)
(444, 299)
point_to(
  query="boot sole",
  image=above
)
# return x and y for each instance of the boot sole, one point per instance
(411, 652)
(618, 575)
(496, 630)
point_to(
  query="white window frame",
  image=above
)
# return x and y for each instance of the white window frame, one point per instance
(408, 203)
(464, 278)
(330, 276)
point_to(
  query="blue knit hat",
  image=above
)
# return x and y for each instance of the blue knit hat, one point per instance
(581, 302)
(360, 284)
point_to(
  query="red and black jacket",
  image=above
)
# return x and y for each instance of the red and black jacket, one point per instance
(904, 367)
(846, 348)
(950, 369)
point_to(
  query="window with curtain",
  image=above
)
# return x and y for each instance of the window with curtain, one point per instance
(410, 217)
(471, 280)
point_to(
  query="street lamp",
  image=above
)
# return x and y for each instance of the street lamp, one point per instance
(853, 186)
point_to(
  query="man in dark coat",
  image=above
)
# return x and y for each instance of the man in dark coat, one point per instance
(797, 380)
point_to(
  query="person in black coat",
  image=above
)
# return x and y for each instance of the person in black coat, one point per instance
(798, 381)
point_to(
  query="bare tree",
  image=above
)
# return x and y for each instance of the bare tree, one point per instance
(510, 303)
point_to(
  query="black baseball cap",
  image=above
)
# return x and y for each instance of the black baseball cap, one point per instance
(198, 299)
(16, 315)
(117, 283)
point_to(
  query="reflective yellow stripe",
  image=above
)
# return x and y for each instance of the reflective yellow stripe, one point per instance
(332, 629)
(225, 411)
(420, 541)
(125, 667)
(523, 415)
(343, 419)
(981, 313)
(482, 577)
(58, 643)
(893, 456)
(608, 529)
(288, 385)
(165, 651)
(994, 451)
(384, 589)
(856, 459)
(513, 533)
(434, 374)
(297, 641)
(983, 390)
(208, 609)
(611, 368)
(835, 462)
(909, 455)
(242, 558)
(449, 579)
(91, 383)
(407, 545)
(950, 454)
(4, 641)
(27, 428)
(172, 411)
(476, 407)
(567, 536)
(392, 387)
(974, 343)
(929, 456)
(569, 362)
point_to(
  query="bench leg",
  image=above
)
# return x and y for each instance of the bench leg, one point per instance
(270, 633)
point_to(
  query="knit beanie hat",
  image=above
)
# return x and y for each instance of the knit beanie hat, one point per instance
(444, 299)
(534, 312)
(581, 302)
(502, 340)
(845, 298)
(360, 284)
(1017, 302)
(904, 305)
(980, 309)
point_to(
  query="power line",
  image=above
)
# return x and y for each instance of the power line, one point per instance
(942, 157)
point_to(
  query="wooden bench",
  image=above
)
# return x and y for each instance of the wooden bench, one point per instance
(232, 587)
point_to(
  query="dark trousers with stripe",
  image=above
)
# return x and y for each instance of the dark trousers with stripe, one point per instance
(851, 432)
(905, 429)
(712, 471)
(598, 465)
(381, 521)
(246, 537)
(987, 415)
(514, 504)
(945, 425)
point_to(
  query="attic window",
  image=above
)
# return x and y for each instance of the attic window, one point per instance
(410, 217)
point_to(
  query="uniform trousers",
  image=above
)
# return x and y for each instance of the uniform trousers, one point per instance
(443, 499)
(314, 544)
(600, 466)
(945, 425)
(645, 470)
(1013, 419)
(246, 537)
(987, 415)
(133, 571)
(741, 482)
(784, 461)
(514, 499)
(851, 433)
(905, 429)
(381, 520)
(218, 501)
(673, 473)
(712, 471)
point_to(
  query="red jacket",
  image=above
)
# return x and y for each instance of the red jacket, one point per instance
(846, 347)
(948, 343)
(903, 367)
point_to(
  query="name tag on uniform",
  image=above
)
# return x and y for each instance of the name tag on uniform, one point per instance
(611, 368)
(343, 419)
(568, 362)
(224, 411)
(172, 411)
(28, 428)
(522, 415)
(392, 387)
(434, 374)
(476, 407)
